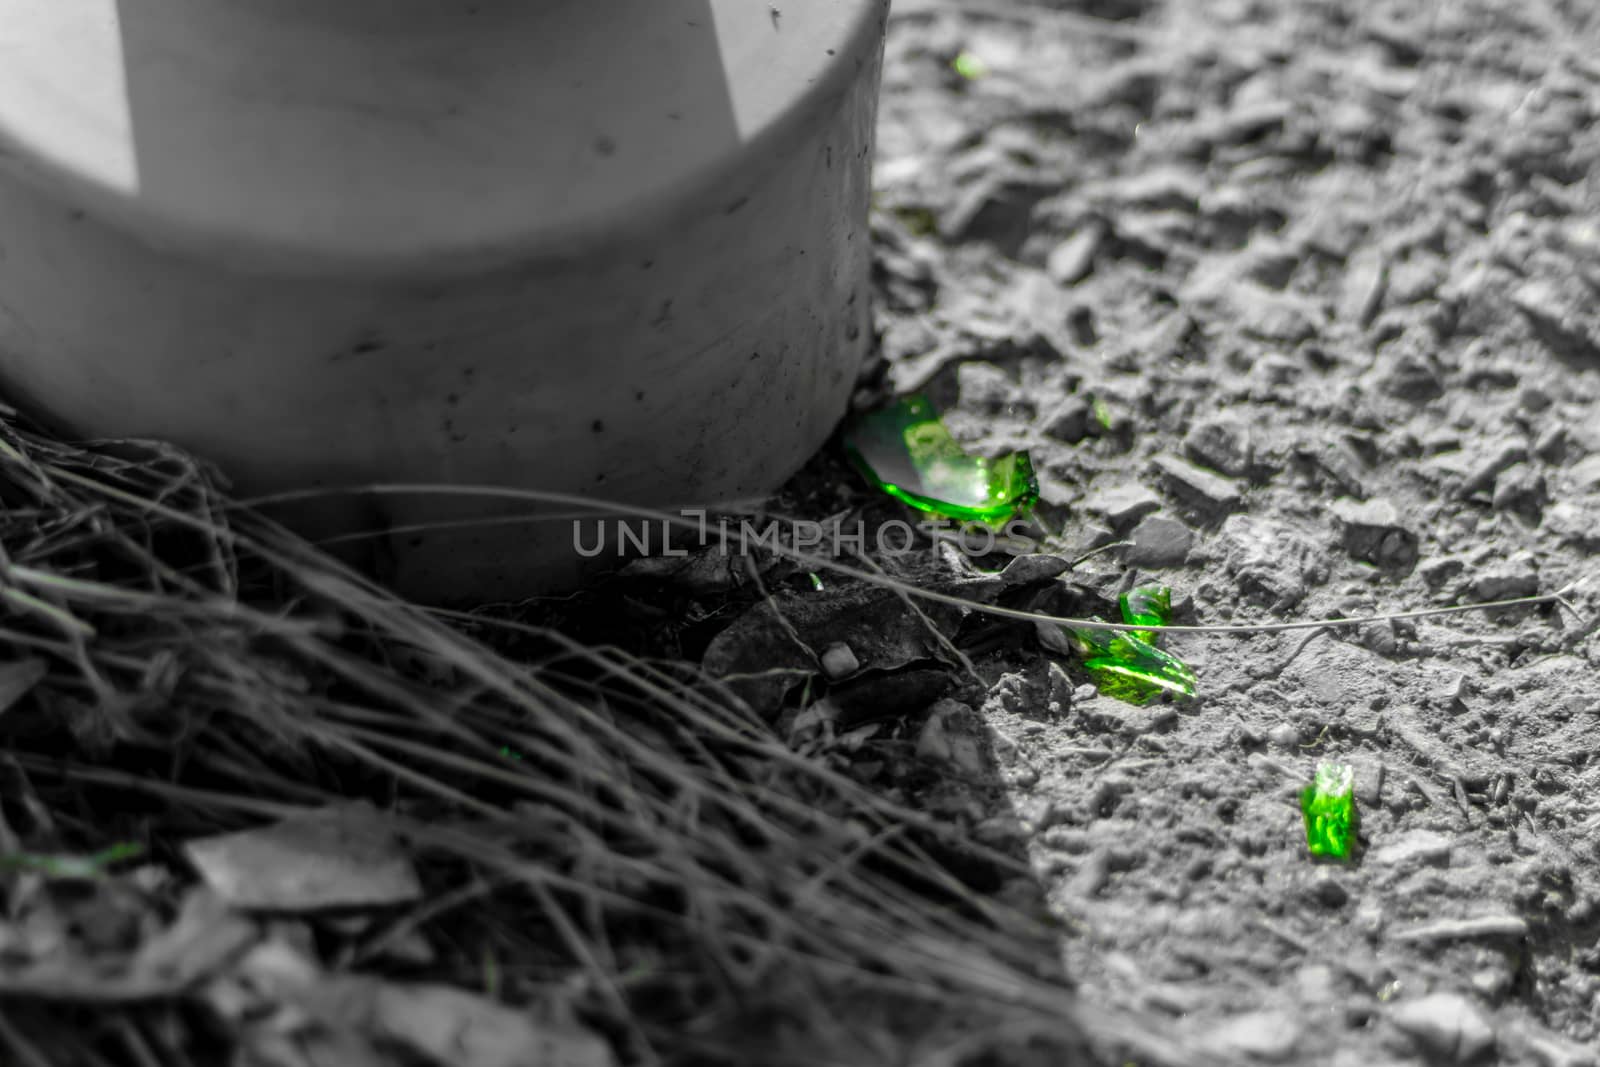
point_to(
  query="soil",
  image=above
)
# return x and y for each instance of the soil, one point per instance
(1293, 303)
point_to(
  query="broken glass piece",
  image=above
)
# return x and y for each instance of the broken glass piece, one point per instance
(907, 452)
(1329, 805)
(1147, 605)
(1129, 666)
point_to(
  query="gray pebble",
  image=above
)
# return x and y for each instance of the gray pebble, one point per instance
(1159, 542)
(1508, 578)
(1284, 735)
(983, 386)
(838, 661)
(1122, 505)
(1070, 421)
(1206, 491)
(1270, 560)
(1223, 443)
(1269, 1036)
(1448, 1025)
(1521, 488)
(1372, 531)
(1072, 260)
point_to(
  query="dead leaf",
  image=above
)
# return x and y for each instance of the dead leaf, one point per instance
(201, 940)
(344, 856)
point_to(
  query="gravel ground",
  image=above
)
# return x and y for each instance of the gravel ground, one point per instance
(1300, 299)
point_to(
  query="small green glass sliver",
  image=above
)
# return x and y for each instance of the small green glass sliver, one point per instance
(1329, 806)
(1129, 666)
(906, 451)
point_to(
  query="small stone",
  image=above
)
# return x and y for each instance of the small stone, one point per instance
(1413, 379)
(1520, 488)
(1574, 524)
(1284, 735)
(1372, 532)
(997, 211)
(1159, 542)
(1584, 475)
(983, 387)
(1205, 491)
(1269, 1036)
(1122, 505)
(1072, 260)
(1328, 890)
(1271, 316)
(1361, 293)
(1270, 560)
(1507, 579)
(1448, 1025)
(1414, 279)
(1172, 188)
(1344, 464)
(1222, 443)
(1533, 399)
(1440, 569)
(1490, 981)
(1414, 848)
(1069, 422)
(1556, 313)
(1370, 773)
(838, 661)
(1487, 468)
(952, 735)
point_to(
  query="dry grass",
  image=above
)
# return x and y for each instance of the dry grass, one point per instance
(658, 860)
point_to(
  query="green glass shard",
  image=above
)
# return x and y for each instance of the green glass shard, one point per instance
(1102, 414)
(1129, 666)
(1147, 605)
(970, 66)
(1329, 806)
(71, 868)
(907, 452)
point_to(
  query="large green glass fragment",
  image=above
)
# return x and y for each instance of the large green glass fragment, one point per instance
(907, 452)
(1329, 806)
(1129, 666)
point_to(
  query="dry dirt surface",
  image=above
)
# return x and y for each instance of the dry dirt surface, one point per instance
(1299, 297)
